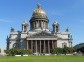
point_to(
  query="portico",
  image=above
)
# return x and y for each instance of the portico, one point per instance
(41, 46)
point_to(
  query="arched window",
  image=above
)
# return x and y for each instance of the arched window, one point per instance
(14, 45)
(64, 44)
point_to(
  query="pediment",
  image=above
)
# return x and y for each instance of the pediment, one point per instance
(42, 34)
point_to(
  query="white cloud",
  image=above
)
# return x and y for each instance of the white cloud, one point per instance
(3, 20)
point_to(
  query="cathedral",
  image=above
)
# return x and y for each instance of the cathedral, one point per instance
(39, 38)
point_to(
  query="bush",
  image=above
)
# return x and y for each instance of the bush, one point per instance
(57, 51)
(65, 50)
(68, 50)
(15, 51)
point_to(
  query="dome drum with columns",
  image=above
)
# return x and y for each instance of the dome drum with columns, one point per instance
(39, 19)
(39, 38)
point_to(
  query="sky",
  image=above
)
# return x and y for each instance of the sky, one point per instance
(69, 14)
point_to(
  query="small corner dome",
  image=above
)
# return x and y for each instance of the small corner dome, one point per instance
(25, 23)
(56, 23)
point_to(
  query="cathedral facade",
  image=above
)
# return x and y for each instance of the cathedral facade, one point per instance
(39, 38)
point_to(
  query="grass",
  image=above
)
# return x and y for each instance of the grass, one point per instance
(43, 59)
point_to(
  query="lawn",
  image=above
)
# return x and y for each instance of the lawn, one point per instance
(43, 59)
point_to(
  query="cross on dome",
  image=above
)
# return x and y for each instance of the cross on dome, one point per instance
(38, 5)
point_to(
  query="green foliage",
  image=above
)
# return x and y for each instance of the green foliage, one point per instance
(65, 50)
(57, 51)
(30, 51)
(15, 51)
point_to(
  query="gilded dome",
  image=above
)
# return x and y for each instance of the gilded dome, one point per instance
(39, 10)
(39, 14)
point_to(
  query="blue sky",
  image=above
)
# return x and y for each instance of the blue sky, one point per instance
(69, 13)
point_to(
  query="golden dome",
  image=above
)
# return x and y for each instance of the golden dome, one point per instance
(39, 10)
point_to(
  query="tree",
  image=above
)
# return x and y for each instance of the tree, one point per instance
(15, 51)
(68, 50)
(65, 50)
(57, 51)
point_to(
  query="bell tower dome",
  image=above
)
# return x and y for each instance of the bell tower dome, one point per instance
(55, 27)
(24, 26)
(39, 19)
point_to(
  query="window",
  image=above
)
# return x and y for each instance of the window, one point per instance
(64, 44)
